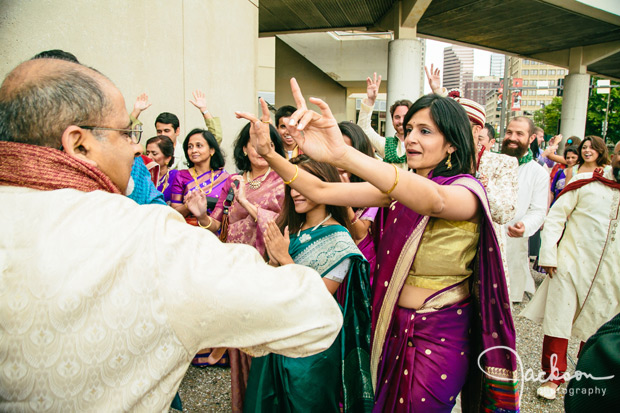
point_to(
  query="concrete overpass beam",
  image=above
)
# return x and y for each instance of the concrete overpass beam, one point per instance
(576, 92)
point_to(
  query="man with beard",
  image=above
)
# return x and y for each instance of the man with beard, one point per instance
(581, 256)
(531, 205)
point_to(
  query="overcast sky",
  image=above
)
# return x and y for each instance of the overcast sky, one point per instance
(434, 55)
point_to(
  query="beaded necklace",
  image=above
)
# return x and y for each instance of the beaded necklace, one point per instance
(255, 183)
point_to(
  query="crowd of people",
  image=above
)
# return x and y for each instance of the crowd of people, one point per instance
(332, 268)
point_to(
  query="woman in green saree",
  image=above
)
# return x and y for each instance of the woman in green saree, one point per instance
(340, 376)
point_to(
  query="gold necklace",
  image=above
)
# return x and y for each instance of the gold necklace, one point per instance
(164, 181)
(193, 173)
(255, 183)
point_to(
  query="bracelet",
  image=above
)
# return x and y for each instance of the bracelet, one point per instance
(354, 220)
(294, 177)
(388, 192)
(207, 227)
(205, 111)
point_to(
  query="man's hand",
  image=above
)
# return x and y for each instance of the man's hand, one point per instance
(549, 270)
(434, 78)
(199, 101)
(516, 230)
(142, 103)
(372, 88)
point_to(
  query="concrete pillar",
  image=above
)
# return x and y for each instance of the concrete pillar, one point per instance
(575, 105)
(404, 74)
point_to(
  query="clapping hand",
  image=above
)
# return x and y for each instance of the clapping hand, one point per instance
(277, 244)
(372, 88)
(196, 202)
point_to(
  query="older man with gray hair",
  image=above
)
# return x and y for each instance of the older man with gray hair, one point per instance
(103, 302)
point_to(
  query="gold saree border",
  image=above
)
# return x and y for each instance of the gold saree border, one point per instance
(399, 275)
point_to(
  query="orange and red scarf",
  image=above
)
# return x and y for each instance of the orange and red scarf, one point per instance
(47, 169)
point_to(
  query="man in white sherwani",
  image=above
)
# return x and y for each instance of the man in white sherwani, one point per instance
(104, 302)
(531, 205)
(581, 256)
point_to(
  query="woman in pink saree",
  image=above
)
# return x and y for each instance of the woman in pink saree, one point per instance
(438, 274)
(258, 199)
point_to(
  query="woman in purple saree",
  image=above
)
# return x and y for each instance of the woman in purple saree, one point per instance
(440, 305)
(206, 174)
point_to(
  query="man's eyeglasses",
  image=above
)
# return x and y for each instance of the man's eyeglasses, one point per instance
(135, 133)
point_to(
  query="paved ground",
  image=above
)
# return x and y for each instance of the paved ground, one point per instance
(208, 390)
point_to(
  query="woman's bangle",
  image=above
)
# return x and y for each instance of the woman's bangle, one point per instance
(354, 220)
(294, 177)
(207, 227)
(389, 191)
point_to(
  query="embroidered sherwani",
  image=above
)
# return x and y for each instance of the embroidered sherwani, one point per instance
(531, 210)
(581, 239)
(498, 174)
(103, 302)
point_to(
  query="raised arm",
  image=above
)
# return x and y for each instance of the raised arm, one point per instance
(434, 80)
(213, 124)
(365, 115)
(320, 138)
(142, 103)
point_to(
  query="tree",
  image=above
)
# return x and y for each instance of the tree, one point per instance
(597, 105)
(549, 116)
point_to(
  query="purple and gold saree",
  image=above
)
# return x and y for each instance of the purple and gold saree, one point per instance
(421, 359)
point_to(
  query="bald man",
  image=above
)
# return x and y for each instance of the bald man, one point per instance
(102, 301)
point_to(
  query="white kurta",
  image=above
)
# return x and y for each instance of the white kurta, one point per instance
(103, 302)
(531, 210)
(585, 292)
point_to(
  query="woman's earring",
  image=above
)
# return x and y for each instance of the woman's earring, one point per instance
(245, 153)
(449, 161)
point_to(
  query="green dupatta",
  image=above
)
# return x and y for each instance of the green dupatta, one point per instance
(281, 384)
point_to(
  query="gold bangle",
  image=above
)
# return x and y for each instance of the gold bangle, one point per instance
(207, 227)
(266, 121)
(294, 177)
(388, 192)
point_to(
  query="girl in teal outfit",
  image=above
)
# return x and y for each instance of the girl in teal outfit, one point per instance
(338, 377)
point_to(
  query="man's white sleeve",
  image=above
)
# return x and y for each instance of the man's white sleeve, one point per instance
(224, 295)
(536, 212)
(377, 141)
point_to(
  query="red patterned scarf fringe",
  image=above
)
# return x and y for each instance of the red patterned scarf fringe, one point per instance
(47, 169)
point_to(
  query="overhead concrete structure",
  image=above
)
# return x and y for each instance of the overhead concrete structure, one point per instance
(581, 35)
